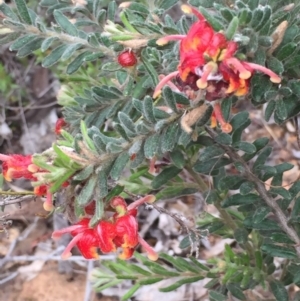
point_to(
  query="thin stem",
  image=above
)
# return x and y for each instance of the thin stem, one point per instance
(202, 185)
(67, 39)
(16, 193)
(17, 200)
(229, 221)
(262, 192)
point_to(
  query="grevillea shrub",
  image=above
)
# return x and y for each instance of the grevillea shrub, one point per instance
(166, 90)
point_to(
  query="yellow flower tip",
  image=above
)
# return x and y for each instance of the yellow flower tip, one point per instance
(201, 84)
(156, 94)
(125, 4)
(95, 255)
(186, 9)
(275, 79)
(32, 168)
(245, 74)
(213, 122)
(66, 255)
(150, 198)
(162, 42)
(8, 175)
(48, 207)
(226, 128)
(152, 256)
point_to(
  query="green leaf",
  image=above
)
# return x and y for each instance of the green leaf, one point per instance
(281, 110)
(241, 235)
(117, 190)
(216, 24)
(99, 212)
(47, 43)
(246, 188)
(168, 140)
(148, 109)
(54, 56)
(7, 11)
(227, 14)
(23, 11)
(236, 291)
(164, 4)
(150, 69)
(111, 10)
(77, 62)
(198, 264)
(63, 178)
(21, 41)
(215, 296)
(180, 283)
(238, 199)
(127, 123)
(281, 238)
(30, 47)
(65, 23)
(246, 147)
(166, 175)
(230, 182)
(270, 109)
(279, 290)
(87, 192)
(211, 152)
(232, 28)
(279, 251)
(281, 191)
(266, 224)
(131, 292)
(260, 214)
(275, 65)
(119, 165)
(88, 141)
(226, 107)
(177, 158)
(175, 191)
(224, 138)
(208, 166)
(84, 173)
(70, 50)
(9, 38)
(170, 98)
(286, 51)
(151, 146)
(262, 157)
(150, 280)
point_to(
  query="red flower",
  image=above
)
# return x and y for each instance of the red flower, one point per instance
(18, 166)
(127, 58)
(119, 231)
(60, 123)
(83, 237)
(207, 63)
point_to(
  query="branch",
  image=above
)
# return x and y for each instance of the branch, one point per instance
(262, 191)
(10, 201)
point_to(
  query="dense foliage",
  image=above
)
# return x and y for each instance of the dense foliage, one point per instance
(162, 90)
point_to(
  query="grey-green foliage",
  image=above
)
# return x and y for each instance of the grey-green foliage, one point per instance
(115, 123)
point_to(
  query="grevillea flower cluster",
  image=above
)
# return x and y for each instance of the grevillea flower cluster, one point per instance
(17, 166)
(208, 63)
(118, 231)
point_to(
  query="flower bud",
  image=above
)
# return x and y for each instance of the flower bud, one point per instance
(127, 58)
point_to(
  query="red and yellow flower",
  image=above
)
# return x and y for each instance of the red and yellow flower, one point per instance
(118, 231)
(207, 62)
(17, 166)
